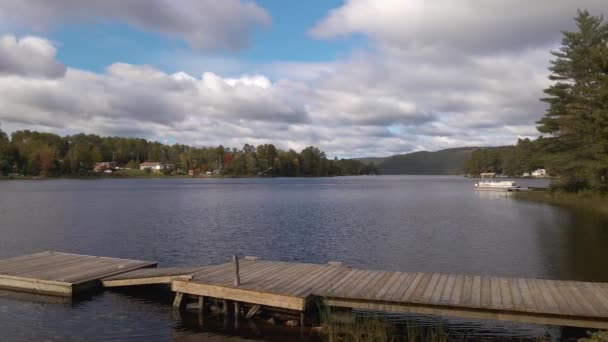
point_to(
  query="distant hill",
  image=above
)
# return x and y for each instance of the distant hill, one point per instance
(445, 162)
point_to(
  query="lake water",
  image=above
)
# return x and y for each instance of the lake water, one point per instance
(405, 223)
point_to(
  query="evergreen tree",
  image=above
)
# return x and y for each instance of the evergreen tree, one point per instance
(577, 117)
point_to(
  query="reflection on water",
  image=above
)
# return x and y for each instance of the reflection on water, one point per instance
(405, 223)
(384, 327)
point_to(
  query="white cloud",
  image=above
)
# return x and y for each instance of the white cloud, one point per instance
(204, 24)
(457, 77)
(356, 107)
(467, 25)
(29, 56)
(143, 97)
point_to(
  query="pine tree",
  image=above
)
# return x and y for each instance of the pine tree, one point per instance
(577, 117)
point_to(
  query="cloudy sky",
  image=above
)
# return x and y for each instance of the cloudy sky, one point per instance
(354, 77)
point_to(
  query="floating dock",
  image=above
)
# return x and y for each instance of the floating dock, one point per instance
(62, 274)
(274, 285)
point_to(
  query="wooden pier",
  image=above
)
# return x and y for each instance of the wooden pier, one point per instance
(61, 274)
(293, 285)
(273, 285)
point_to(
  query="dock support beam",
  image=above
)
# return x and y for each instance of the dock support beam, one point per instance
(177, 302)
(237, 313)
(254, 310)
(201, 304)
(237, 309)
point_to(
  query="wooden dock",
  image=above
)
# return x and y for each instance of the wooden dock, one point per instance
(293, 285)
(274, 285)
(61, 273)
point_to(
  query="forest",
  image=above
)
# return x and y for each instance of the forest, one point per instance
(574, 145)
(31, 153)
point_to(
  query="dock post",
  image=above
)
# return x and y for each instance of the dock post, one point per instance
(302, 323)
(177, 302)
(237, 312)
(237, 276)
(201, 304)
(225, 308)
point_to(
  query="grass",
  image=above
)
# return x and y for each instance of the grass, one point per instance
(583, 200)
(340, 325)
(598, 336)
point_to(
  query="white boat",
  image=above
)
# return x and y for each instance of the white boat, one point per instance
(487, 183)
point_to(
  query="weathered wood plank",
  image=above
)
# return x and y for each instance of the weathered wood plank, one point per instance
(600, 295)
(505, 293)
(320, 281)
(155, 272)
(447, 290)
(428, 292)
(588, 305)
(516, 296)
(375, 288)
(458, 290)
(416, 296)
(575, 307)
(528, 300)
(238, 294)
(389, 283)
(486, 292)
(466, 295)
(495, 292)
(401, 287)
(562, 304)
(547, 296)
(436, 296)
(476, 292)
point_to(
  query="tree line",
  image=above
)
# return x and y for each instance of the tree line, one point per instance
(32, 153)
(526, 156)
(575, 126)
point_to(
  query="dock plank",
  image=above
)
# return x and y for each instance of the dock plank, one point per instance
(458, 290)
(448, 289)
(486, 292)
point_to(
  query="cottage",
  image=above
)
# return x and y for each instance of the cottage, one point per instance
(539, 173)
(156, 166)
(103, 166)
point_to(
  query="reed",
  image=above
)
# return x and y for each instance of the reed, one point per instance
(345, 326)
(598, 336)
(583, 200)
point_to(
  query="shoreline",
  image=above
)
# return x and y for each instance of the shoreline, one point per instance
(153, 176)
(586, 201)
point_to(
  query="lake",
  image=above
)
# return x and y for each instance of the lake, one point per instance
(405, 223)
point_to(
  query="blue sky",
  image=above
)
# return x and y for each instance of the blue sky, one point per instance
(352, 77)
(95, 46)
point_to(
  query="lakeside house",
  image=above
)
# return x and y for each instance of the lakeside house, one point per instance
(156, 166)
(103, 166)
(539, 173)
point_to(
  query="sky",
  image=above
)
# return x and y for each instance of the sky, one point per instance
(354, 78)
